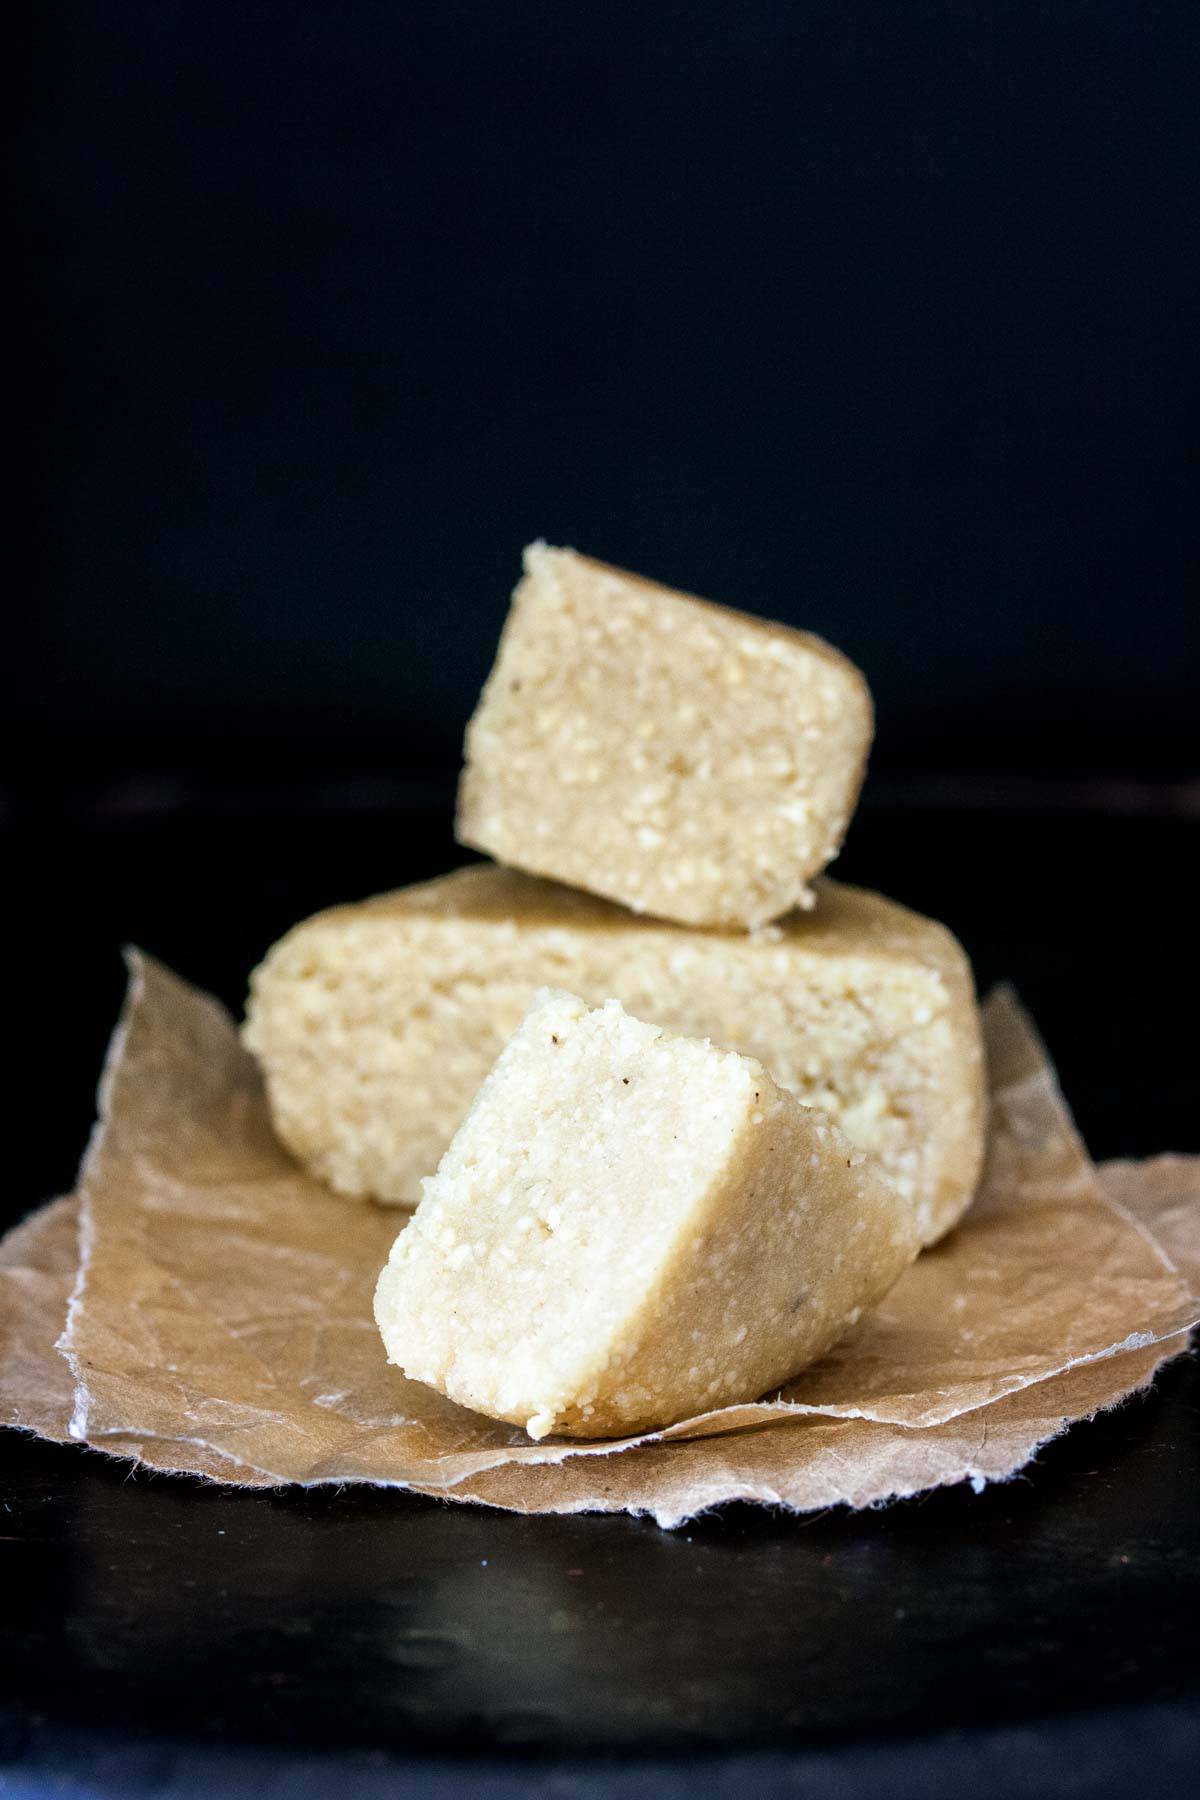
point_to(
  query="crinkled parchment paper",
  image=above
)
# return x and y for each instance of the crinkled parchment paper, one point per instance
(219, 1319)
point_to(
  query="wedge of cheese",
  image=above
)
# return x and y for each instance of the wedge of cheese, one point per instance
(376, 1024)
(682, 758)
(630, 1228)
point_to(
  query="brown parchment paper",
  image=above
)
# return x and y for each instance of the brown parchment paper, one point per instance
(220, 1316)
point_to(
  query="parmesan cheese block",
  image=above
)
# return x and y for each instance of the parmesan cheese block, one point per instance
(682, 758)
(631, 1228)
(375, 1024)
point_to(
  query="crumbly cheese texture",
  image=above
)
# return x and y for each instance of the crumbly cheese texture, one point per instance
(376, 1024)
(631, 1228)
(685, 759)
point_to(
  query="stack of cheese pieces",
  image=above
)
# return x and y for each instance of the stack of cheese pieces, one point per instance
(751, 1095)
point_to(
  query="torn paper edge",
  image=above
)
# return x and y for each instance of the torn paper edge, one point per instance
(668, 1520)
(484, 1462)
(134, 987)
(761, 1495)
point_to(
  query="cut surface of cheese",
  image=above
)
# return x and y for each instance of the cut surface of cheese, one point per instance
(685, 759)
(375, 1024)
(631, 1228)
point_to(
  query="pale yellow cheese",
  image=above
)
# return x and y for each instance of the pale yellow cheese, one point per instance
(685, 759)
(375, 1024)
(631, 1228)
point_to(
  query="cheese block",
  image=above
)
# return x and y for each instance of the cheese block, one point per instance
(375, 1024)
(682, 758)
(631, 1228)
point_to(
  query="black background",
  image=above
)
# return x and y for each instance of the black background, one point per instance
(880, 319)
